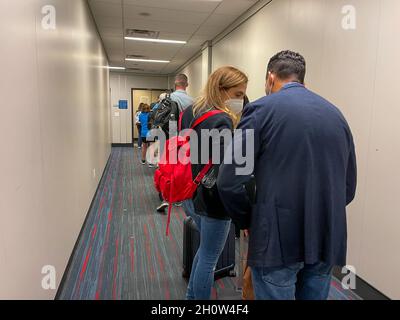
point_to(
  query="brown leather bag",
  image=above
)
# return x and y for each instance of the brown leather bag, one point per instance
(248, 290)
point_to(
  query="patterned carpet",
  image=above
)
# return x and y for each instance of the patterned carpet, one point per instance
(124, 254)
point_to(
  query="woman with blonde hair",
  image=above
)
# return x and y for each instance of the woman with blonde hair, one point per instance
(225, 91)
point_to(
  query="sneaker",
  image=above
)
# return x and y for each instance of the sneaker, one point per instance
(139, 147)
(143, 162)
(178, 204)
(162, 206)
(151, 165)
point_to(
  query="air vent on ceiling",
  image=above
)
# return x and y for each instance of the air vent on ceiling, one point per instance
(138, 33)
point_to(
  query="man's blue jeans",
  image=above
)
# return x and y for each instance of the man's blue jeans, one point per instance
(293, 282)
(213, 235)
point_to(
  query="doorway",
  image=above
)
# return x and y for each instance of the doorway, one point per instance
(139, 96)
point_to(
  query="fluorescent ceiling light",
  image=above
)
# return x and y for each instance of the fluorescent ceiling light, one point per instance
(147, 60)
(116, 68)
(156, 40)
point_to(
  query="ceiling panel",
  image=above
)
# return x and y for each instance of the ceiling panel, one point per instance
(108, 22)
(161, 26)
(111, 32)
(219, 20)
(194, 21)
(163, 53)
(188, 5)
(165, 15)
(109, 9)
(234, 7)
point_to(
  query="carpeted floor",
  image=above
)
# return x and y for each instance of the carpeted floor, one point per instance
(124, 253)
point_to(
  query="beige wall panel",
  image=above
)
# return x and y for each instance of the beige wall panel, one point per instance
(23, 248)
(115, 114)
(341, 66)
(380, 254)
(348, 70)
(253, 43)
(57, 136)
(194, 72)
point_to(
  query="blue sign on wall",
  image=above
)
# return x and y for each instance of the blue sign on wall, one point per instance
(123, 104)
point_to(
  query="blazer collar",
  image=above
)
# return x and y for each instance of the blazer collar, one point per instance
(292, 85)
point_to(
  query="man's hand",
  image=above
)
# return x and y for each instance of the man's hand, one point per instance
(246, 233)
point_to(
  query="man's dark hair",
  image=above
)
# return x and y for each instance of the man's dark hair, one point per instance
(287, 64)
(181, 80)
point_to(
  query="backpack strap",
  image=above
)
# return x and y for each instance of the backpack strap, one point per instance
(203, 173)
(169, 217)
(205, 116)
(180, 120)
(208, 166)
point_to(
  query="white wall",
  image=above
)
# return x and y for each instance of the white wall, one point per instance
(54, 131)
(198, 71)
(121, 87)
(194, 71)
(356, 70)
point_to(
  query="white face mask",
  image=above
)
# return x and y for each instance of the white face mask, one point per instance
(236, 105)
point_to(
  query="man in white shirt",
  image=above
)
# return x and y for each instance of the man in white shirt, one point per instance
(180, 95)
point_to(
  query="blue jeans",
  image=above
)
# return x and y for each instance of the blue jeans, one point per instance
(213, 235)
(188, 207)
(140, 139)
(292, 282)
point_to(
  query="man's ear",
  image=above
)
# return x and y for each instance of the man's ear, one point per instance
(272, 77)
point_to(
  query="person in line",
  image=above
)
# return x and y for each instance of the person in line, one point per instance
(180, 95)
(138, 125)
(144, 121)
(160, 99)
(225, 91)
(154, 147)
(305, 171)
(184, 101)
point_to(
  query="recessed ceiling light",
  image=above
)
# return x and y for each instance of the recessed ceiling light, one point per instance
(147, 60)
(156, 40)
(116, 68)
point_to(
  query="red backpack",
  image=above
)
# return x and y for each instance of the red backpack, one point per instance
(174, 178)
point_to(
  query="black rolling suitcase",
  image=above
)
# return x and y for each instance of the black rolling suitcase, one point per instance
(191, 241)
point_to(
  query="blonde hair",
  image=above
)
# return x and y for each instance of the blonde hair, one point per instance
(223, 78)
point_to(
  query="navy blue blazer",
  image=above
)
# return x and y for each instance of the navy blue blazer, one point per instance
(305, 172)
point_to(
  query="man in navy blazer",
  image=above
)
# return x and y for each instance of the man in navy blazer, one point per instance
(305, 173)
